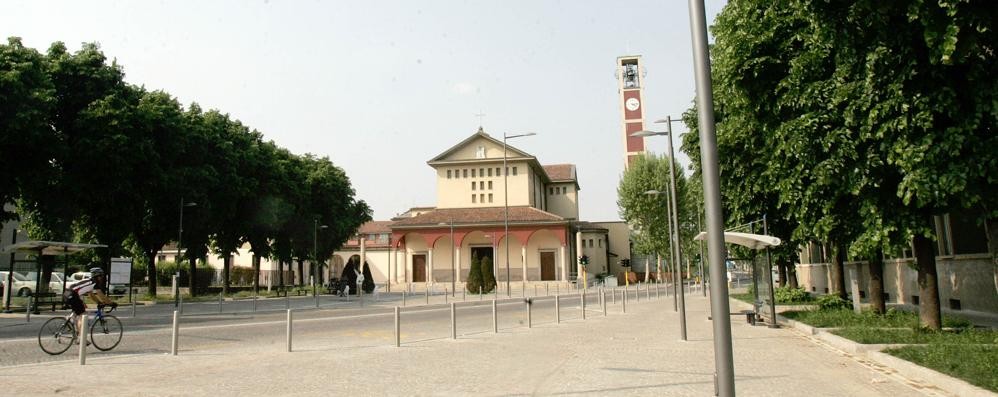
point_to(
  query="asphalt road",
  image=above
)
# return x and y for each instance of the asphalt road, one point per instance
(336, 324)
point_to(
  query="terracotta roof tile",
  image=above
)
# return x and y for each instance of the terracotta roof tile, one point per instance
(478, 215)
(560, 172)
(375, 227)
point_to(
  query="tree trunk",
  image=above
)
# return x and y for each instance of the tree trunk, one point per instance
(876, 287)
(256, 273)
(991, 229)
(928, 283)
(151, 274)
(781, 266)
(192, 276)
(280, 273)
(838, 271)
(792, 274)
(225, 273)
(301, 273)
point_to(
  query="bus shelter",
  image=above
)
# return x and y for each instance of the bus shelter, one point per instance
(764, 300)
(39, 264)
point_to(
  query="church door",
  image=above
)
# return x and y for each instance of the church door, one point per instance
(547, 266)
(419, 268)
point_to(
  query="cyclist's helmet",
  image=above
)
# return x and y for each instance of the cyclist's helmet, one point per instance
(96, 271)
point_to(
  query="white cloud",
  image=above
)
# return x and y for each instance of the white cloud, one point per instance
(464, 88)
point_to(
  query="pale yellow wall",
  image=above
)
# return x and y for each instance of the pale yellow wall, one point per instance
(543, 240)
(619, 236)
(456, 192)
(596, 253)
(564, 205)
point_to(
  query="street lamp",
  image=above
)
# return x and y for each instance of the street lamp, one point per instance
(315, 249)
(505, 201)
(180, 236)
(724, 366)
(453, 266)
(674, 234)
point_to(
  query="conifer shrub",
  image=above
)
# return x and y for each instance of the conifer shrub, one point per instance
(474, 276)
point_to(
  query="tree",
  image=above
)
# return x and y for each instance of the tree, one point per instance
(368, 284)
(474, 284)
(27, 99)
(488, 275)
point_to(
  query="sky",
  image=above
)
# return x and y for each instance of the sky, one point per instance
(381, 87)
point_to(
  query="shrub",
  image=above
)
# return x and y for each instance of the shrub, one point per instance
(488, 275)
(474, 284)
(832, 302)
(791, 295)
(368, 284)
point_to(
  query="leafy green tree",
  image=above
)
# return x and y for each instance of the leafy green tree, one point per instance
(27, 100)
(488, 275)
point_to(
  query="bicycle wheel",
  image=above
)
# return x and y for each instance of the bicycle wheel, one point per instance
(106, 333)
(56, 336)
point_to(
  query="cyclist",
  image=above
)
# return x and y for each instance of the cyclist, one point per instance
(95, 286)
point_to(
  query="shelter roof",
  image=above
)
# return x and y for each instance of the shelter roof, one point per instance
(749, 240)
(49, 247)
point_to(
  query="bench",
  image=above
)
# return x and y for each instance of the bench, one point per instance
(46, 298)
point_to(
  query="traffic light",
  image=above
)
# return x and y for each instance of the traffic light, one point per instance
(584, 260)
(625, 263)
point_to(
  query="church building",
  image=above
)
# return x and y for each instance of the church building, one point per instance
(524, 216)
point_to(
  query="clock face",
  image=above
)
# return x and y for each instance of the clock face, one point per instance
(632, 104)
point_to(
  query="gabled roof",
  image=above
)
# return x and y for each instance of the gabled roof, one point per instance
(375, 227)
(477, 216)
(560, 172)
(511, 152)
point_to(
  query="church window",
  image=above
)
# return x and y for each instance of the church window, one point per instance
(564, 190)
(481, 172)
(490, 172)
(472, 185)
(481, 197)
(473, 198)
(472, 172)
(465, 172)
(481, 185)
(600, 243)
(490, 185)
(498, 171)
(448, 174)
(514, 171)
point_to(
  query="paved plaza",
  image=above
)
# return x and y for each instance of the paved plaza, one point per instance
(637, 353)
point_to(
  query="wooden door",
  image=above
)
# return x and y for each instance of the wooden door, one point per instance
(419, 268)
(547, 266)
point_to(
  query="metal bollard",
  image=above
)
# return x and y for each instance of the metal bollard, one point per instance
(289, 330)
(613, 295)
(495, 318)
(133, 309)
(583, 304)
(287, 301)
(398, 333)
(316, 298)
(623, 307)
(464, 294)
(557, 309)
(219, 302)
(637, 292)
(445, 296)
(255, 298)
(83, 338)
(481, 295)
(656, 291)
(180, 303)
(529, 314)
(647, 293)
(175, 341)
(603, 299)
(427, 293)
(403, 298)
(453, 320)
(27, 311)
(547, 289)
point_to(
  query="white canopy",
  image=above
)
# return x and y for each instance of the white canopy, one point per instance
(753, 241)
(49, 247)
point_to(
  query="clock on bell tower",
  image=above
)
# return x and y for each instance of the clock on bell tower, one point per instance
(630, 74)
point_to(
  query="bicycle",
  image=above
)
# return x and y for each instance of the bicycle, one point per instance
(59, 334)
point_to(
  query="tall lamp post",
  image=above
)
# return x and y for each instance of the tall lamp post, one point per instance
(315, 249)
(724, 366)
(453, 265)
(180, 237)
(505, 201)
(674, 220)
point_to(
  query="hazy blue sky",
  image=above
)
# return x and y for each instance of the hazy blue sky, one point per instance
(383, 86)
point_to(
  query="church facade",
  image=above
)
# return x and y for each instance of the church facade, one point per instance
(524, 216)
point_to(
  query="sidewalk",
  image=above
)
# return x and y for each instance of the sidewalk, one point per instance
(637, 353)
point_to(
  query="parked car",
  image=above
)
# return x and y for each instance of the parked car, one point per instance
(116, 289)
(21, 285)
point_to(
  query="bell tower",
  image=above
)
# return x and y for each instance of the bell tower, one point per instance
(630, 75)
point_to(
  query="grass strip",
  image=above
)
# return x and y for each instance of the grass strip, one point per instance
(975, 363)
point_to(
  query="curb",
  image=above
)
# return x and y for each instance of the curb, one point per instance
(933, 377)
(903, 367)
